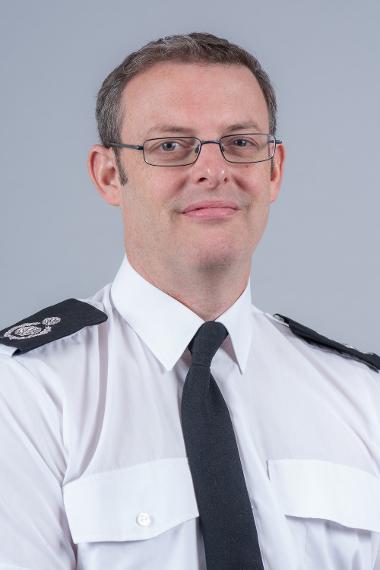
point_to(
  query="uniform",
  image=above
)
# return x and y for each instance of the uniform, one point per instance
(93, 469)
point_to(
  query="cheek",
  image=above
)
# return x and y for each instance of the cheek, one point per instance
(162, 185)
(254, 179)
(150, 196)
(257, 196)
(257, 192)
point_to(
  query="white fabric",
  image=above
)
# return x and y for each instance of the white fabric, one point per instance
(93, 469)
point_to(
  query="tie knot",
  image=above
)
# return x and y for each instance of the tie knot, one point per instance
(206, 342)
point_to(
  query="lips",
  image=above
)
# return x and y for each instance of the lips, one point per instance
(220, 205)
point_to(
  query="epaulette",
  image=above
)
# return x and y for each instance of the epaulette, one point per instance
(52, 323)
(369, 358)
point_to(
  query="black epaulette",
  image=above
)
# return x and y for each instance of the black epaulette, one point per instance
(369, 358)
(52, 323)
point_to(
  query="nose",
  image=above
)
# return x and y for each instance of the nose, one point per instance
(211, 169)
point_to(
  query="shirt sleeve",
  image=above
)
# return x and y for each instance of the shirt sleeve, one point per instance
(33, 526)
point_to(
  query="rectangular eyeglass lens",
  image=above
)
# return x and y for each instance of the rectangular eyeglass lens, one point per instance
(168, 151)
(247, 148)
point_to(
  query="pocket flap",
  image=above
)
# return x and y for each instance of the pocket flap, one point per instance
(325, 490)
(133, 503)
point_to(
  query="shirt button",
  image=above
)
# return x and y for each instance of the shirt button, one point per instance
(143, 519)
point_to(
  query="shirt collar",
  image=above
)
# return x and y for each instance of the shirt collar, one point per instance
(167, 326)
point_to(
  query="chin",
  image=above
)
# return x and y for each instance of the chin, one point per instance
(213, 260)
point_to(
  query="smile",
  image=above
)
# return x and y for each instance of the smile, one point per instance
(211, 210)
(211, 213)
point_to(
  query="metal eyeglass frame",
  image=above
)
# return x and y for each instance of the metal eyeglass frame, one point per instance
(201, 143)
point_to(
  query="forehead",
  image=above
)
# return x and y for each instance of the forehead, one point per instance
(198, 97)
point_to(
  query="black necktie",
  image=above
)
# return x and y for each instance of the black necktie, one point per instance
(225, 512)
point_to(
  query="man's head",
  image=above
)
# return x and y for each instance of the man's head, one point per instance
(193, 48)
(187, 86)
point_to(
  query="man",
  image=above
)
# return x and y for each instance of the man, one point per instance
(121, 448)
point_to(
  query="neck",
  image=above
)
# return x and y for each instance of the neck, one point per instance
(207, 292)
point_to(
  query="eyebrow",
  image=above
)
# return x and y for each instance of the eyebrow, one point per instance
(176, 129)
(244, 126)
(166, 129)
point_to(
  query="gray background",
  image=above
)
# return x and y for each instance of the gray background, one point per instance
(318, 262)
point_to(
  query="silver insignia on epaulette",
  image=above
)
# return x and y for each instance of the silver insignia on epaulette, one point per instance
(31, 330)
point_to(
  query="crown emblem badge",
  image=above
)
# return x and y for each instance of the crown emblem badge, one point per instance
(31, 330)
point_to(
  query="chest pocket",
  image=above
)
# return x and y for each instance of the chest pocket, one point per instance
(133, 503)
(333, 511)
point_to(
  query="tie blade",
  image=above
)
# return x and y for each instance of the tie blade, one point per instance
(225, 511)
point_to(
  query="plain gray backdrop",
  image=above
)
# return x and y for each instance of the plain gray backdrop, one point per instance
(319, 260)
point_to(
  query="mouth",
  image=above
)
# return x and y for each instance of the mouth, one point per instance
(211, 210)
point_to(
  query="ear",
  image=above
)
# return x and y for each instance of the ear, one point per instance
(104, 174)
(277, 172)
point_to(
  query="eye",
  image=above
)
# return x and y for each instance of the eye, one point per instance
(242, 143)
(168, 146)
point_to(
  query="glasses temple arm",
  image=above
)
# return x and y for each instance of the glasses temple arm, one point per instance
(120, 145)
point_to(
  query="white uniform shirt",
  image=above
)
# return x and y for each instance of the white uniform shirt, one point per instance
(93, 469)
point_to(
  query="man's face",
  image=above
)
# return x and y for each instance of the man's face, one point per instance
(206, 101)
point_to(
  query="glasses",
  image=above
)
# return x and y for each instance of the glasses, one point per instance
(181, 151)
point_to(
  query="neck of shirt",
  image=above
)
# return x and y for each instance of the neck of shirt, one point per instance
(167, 326)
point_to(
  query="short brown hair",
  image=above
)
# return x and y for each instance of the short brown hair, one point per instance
(192, 48)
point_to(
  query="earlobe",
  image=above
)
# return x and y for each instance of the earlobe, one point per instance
(103, 172)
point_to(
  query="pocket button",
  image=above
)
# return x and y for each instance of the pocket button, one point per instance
(144, 519)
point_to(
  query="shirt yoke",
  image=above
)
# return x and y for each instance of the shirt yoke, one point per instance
(71, 315)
